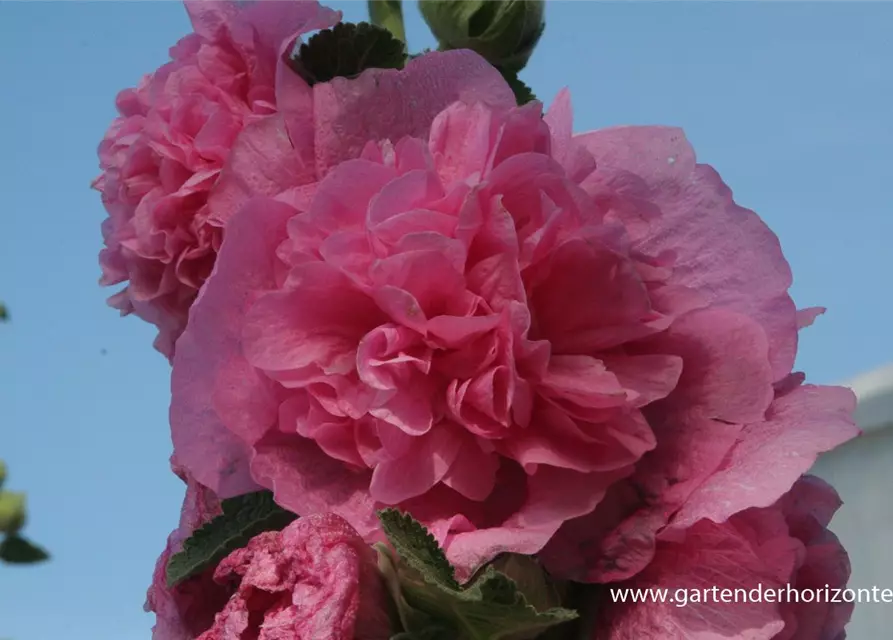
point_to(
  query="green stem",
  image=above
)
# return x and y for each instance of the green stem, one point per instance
(388, 14)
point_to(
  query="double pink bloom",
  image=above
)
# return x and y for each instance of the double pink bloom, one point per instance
(576, 346)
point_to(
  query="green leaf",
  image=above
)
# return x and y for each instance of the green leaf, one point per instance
(523, 93)
(490, 607)
(346, 50)
(17, 550)
(417, 548)
(243, 518)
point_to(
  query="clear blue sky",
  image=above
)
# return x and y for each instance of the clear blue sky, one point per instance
(791, 102)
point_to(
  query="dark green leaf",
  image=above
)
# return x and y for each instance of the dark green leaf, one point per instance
(346, 50)
(243, 518)
(523, 93)
(17, 550)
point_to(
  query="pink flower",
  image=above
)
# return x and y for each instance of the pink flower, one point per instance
(757, 551)
(314, 580)
(510, 332)
(162, 156)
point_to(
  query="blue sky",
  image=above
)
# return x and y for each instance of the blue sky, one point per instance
(791, 102)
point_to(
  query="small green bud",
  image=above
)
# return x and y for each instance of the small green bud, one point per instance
(12, 512)
(505, 32)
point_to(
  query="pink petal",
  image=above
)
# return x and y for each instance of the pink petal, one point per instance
(423, 466)
(390, 104)
(204, 445)
(306, 481)
(262, 162)
(726, 372)
(722, 249)
(319, 322)
(711, 555)
(772, 454)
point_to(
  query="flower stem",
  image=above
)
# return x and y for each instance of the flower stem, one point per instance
(388, 14)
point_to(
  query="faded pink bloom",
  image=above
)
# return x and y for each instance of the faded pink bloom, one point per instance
(770, 548)
(314, 580)
(505, 329)
(162, 156)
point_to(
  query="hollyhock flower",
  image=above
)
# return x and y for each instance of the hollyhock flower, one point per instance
(314, 580)
(766, 549)
(503, 329)
(162, 156)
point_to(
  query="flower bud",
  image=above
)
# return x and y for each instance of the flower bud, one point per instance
(504, 32)
(12, 512)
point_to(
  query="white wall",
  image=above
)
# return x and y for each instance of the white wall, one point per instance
(862, 472)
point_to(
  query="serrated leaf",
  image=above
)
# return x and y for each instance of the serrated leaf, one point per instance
(523, 93)
(18, 550)
(490, 607)
(243, 518)
(388, 14)
(534, 582)
(417, 548)
(496, 608)
(346, 50)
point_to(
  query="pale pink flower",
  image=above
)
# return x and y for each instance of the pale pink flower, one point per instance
(501, 328)
(162, 156)
(753, 552)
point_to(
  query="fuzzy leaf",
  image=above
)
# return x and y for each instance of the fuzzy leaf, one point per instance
(490, 607)
(346, 50)
(243, 518)
(417, 548)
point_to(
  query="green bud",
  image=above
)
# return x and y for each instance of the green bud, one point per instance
(12, 512)
(504, 32)
(2, 473)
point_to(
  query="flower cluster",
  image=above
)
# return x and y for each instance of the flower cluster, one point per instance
(429, 298)
(163, 155)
